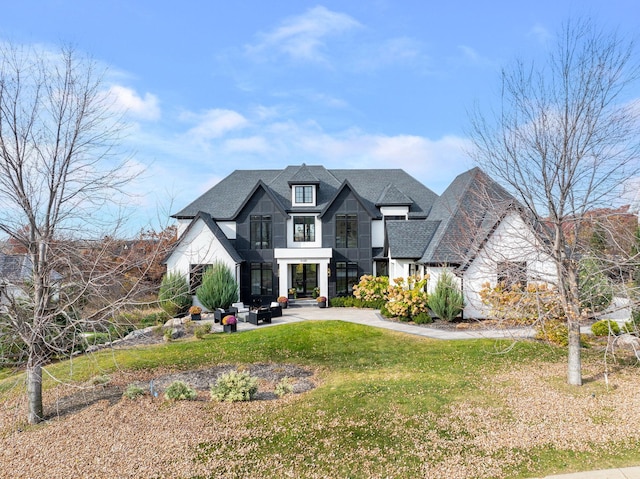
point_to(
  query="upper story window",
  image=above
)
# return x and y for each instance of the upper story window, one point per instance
(304, 195)
(304, 228)
(260, 232)
(346, 231)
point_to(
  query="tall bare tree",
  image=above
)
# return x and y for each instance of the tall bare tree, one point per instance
(565, 141)
(61, 173)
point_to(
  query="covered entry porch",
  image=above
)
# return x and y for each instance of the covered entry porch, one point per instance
(303, 269)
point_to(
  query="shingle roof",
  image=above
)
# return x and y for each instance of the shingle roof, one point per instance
(392, 196)
(468, 210)
(408, 239)
(223, 201)
(15, 267)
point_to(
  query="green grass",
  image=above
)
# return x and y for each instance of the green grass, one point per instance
(379, 409)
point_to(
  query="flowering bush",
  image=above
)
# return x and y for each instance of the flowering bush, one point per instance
(371, 288)
(230, 319)
(195, 310)
(406, 297)
(538, 301)
(282, 299)
(321, 299)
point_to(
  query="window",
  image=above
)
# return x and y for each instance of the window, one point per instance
(260, 232)
(304, 228)
(413, 269)
(261, 279)
(304, 194)
(511, 273)
(195, 276)
(346, 277)
(346, 231)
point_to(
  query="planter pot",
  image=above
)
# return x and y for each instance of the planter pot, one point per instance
(196, 317)
(322, 304)
(291, 296)
(230, 328)
(283, 305)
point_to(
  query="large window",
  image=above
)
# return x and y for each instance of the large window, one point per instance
(346, 231)
(261, 279)
(261, 232)
(195, 276)
(304, 228)
(511, 273)
(304, 194)
(346, 277)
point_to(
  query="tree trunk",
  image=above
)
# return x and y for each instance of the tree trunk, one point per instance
(574, 370)
(34, 392)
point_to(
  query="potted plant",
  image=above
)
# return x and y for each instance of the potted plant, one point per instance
(229, 324)
(322, 301)
(316, 292)
(195, 312)
(292, 293)
(283, 301)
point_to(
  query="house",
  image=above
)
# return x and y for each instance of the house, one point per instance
(15, 271)
(307, 227)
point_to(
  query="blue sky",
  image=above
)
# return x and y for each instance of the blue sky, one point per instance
(213, 86)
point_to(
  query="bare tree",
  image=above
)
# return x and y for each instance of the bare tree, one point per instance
(60, 176)
(565, 141)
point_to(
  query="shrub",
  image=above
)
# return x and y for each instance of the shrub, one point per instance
(179, 391)
(219, 288)
(283, 387)
(234, 386)
(133, 392)
(596, 292)
(371, 288)
(523, 305)
(422, 318)
(447, 300)
(605, 327)
(201, 331)
(229, 319)
(555, 332)
(174, 295)
(407, 298)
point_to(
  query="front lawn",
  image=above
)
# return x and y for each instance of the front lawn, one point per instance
(386, 405)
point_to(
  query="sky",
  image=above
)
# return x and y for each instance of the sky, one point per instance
(214, 86)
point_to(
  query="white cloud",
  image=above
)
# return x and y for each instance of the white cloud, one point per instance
(540, 33)
(303, 37)
(146, 108)
(214, 124)
(253, 144)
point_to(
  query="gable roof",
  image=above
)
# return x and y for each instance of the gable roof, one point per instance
(392, 196)
(346, 185)
(217, 232)
(468, 210)
(408, 239)
(224, 200)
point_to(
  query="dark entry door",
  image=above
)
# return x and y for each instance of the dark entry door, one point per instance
(305, 278)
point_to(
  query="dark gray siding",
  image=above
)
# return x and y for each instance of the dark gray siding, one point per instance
(346, 203)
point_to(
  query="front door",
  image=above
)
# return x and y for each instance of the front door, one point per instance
(305, 279)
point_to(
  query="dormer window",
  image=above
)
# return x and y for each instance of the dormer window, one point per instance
(304, 195)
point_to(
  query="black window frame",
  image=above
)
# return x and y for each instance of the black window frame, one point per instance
(308, 229)
(346, 230)
(347, 276)
(303, 194)
(260, 232)
(265, 275)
